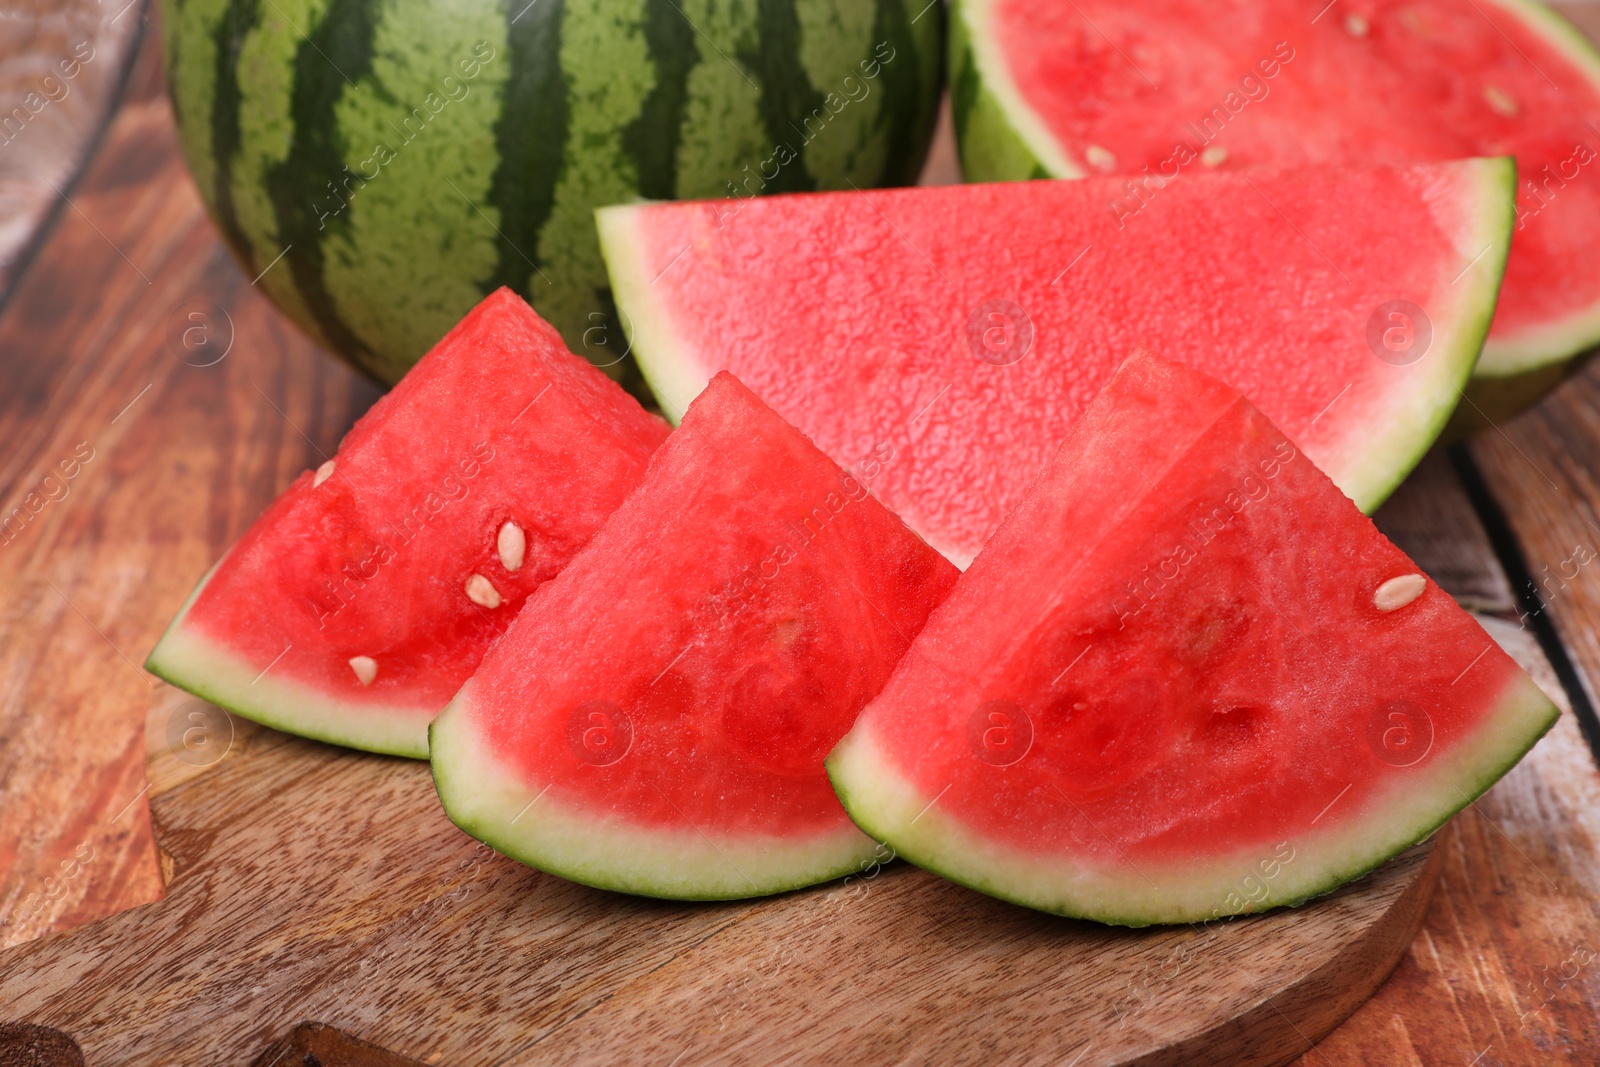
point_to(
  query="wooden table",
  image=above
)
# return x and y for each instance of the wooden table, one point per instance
(170, 462)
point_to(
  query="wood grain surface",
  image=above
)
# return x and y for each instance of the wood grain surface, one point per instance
(312, 884)
(182, 457)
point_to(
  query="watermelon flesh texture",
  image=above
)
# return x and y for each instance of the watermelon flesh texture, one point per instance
(1166, 692)
(1162, 91)
(394, 561)
(762, 597)
(938, 342)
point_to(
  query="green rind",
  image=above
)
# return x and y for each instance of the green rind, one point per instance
(999, 138)
(199, 666)
(885, 806)
(378, 275)
(489, 801)
(676, 375)
(1412, 432)
(997, 135)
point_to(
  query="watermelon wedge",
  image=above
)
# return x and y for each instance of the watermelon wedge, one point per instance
(762, 597)
(1160, 92)
(1186, 679)
(939, 341)
(359, 602)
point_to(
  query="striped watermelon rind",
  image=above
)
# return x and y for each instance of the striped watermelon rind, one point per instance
(1000, 137)
(381, 165)
(487, 800)
(888, 807)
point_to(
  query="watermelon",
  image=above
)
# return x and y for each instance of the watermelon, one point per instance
(1159, 92)
(381, 165)
(359, 602)
(939, 341)
(1186, 679)
(762, 597)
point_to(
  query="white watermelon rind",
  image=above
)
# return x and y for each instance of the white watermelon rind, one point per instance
(1348, 845)
(1373, 461)
(1000, 137)
(197, 664)
(495, 804)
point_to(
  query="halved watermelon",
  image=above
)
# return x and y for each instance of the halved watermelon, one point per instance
(359, 602)
(656, 718)
(939, 341)
(1186, 679)
(1162, 91)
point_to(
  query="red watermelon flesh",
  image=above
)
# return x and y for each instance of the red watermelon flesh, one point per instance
(1171, 88)
(1186, 679)
(359, 602)
(655, 720)
(939, 341)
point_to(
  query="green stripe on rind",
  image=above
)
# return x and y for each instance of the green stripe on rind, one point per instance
(652, 138)
(189, 40)
(406, 258)
(885, 805)
(915, 31)
(670, 367)
(299, 185)
(495, 805)
(533, 117)
(1365, 467)
(787, 97)
(197, 665)
(265, 120)
(237, 22)
(998, 136)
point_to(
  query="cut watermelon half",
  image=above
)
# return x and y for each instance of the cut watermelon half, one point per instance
(759, 598)
(939, 341)
(1186, 679)
(359, 602)
(1166, 90)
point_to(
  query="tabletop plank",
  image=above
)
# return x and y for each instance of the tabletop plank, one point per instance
(87, 582)
(62, 63)
(100, 555)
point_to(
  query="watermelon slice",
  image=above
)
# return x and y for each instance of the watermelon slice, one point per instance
(762, 597)
(939, 341)
(1186, 679)
(1165, 90)
(359, 602)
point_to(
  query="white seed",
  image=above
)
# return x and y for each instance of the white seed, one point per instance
(366, 668)
(1214, 156)
(324, 472)
(513, 546)
(1355, 25)
(1500, 100)
(1396, 593)
(482, 592)
(1099, 158)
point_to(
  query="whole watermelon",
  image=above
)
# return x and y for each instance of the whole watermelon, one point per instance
(383, 164)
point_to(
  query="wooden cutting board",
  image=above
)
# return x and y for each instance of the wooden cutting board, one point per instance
(312, 885)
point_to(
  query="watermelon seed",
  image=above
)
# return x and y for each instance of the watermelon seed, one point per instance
(512, 544)
(1099, 158)
(366, 668)
(324, 472)
(482, 592)
(1396, 593)
(1214, 156)
(1500, 101)
(1356, 25)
